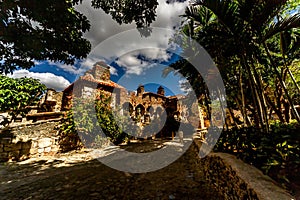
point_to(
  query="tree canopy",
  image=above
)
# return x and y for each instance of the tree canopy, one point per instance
(142, 12)
(41, 30)
(16, 94)
(53, 30)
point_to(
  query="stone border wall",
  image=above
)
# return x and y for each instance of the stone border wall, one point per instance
(235, 179)
(29, 140)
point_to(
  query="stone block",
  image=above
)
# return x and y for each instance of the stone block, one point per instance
(40, 150)
(15, 140)
(44, 142)
(34, 144)
(47, 149)
(54, 148)
(13, 155)
(12, 147)
(5, 140)
(33, 151)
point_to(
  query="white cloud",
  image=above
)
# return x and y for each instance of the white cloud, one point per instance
(83, 66)
(103, 27)
(168, 14)
(185, 86)
(133, 63)
(50, 80)
(155, 54)
(67, 68)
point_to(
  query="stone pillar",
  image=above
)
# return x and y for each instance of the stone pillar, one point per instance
(161, 91)
(140, 90)
(101, 71)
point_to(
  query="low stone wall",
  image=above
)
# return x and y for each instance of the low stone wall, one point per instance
(29, 140)
(235, 179)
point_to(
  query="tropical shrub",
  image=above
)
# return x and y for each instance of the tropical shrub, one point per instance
(92, 122)
(276, 153)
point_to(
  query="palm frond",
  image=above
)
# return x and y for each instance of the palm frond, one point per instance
(295, 48)
(265, 12)
(282, 25)
(226, 12)
(199, 14)
(246, 8)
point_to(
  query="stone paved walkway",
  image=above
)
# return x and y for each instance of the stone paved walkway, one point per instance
(76, 175)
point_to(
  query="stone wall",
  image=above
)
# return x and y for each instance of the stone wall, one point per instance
(235, 179)
(29, 140)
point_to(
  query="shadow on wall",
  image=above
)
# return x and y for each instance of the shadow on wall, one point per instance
(10, 149)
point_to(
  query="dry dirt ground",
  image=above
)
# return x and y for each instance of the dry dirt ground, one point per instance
(76, 175)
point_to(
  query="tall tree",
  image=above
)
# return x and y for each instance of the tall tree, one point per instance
(53, 30)
(41, 30)
(239, 33)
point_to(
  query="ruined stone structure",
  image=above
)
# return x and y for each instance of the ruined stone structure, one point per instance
(22, 141)
(146, 106)
(49, 107)
(142, 106)
(98, 78)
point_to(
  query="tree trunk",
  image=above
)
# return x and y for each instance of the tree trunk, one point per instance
(297, 117)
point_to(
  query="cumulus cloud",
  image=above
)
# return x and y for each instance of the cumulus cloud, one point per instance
(138, 61)
(132, 64)
(81, 66)
(168, 14)
(50, 80)
(67, 68)
(185, 86)
(107, 45)
(102, 25)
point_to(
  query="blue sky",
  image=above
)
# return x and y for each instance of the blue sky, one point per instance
(127, 68)
(151, 77)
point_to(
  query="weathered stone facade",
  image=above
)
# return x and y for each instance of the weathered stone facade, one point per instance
(29, 140)
(98, 78)
(142, 106)
(146, 106)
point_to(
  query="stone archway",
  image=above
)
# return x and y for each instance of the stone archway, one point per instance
(127, 108)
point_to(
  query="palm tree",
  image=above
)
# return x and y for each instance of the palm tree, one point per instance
(240, 30)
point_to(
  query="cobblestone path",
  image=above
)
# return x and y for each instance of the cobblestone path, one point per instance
(77, 176)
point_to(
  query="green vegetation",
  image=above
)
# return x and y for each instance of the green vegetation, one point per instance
(16, 95)
(41, 30)
(122, 11)
(53, 29)
(276, 153)
(255, 45)
(92, 122)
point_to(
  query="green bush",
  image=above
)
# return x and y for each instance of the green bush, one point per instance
(92, 122)
(276, 153)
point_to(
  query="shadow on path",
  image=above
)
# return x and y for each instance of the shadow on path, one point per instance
(79, 177)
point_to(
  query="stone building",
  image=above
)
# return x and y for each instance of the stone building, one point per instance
(145, 106)
(142, 106)
(98, 78)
